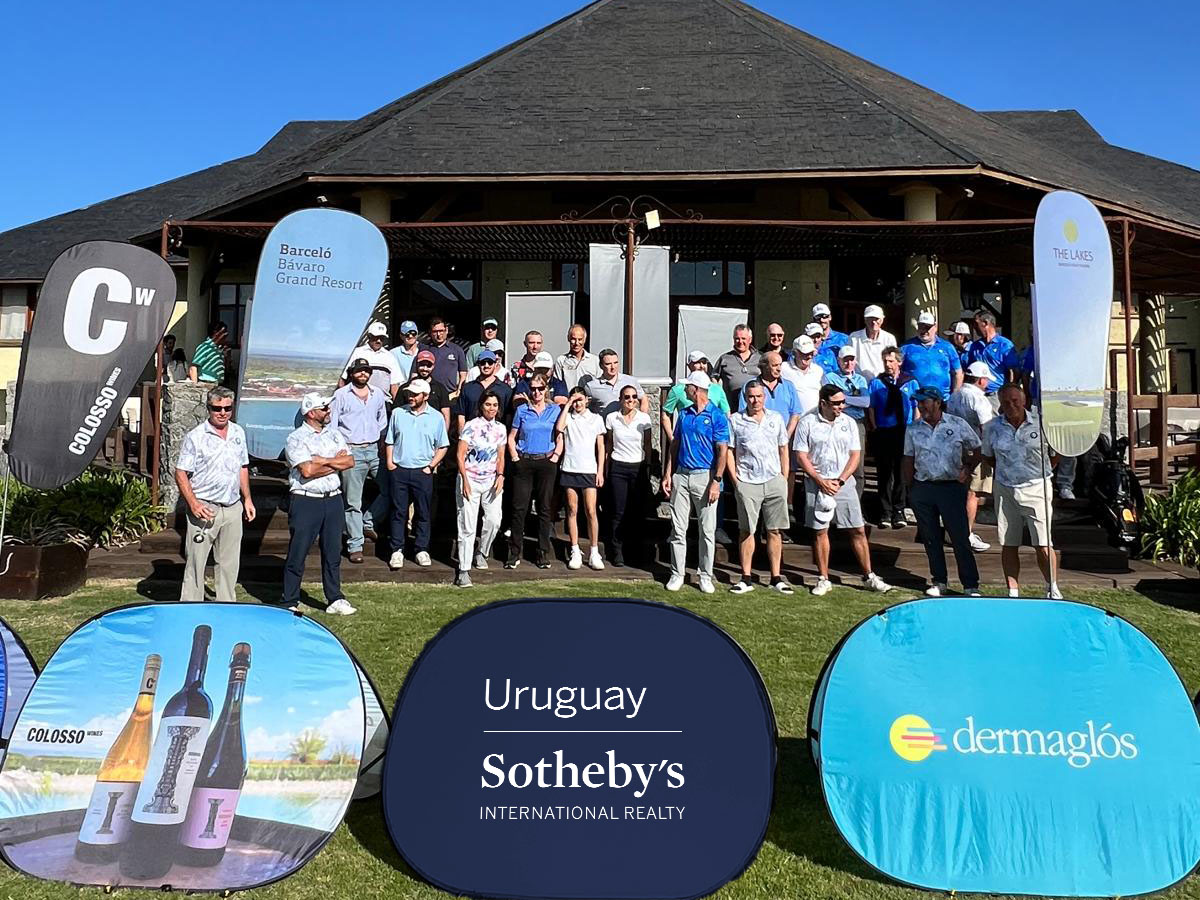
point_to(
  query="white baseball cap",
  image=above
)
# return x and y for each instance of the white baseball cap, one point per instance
(313, 400)
(847, 352)
(417, 386)
(696, 355)
(812, 329)
(960, 327)
(377, 329)
(804, 344)
(824, 508)
(873, 312)
(495, 345)
(979, 369)
(543, 361)
(699, 380)
(927, 318)
(821, 309)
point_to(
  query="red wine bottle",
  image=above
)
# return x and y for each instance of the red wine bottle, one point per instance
(160, 807)
(222, 773)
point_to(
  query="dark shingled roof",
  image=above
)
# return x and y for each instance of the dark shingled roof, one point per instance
(683, 86)
(27, 252)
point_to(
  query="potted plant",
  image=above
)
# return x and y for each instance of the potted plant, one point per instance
(50, 533)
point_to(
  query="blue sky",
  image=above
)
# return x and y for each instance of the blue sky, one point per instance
(101, 99)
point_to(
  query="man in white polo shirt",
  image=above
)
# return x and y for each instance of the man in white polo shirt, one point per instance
(571, 367)
(1013, 444)
(386, 373)
(971, 404)
(870, 342)
(214, 482)
(757, 461)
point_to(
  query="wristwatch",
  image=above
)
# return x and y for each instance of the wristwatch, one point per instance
(841, 483)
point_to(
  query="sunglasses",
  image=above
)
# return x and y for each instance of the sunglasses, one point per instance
(536, 390)
(487, 362)
(410, 334)
(220, 409)
(836, 402)
(629, 396)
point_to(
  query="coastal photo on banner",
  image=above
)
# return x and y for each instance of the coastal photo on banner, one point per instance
(580, 748)
(17, 674)
(206, 746)
(1009, 746)
(1073, 282)
(101, 312)
(318, 280)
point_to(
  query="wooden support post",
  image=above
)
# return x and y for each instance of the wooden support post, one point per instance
(1130, 371)
(1158, 436)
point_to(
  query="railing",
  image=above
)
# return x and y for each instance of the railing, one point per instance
(1165, 447)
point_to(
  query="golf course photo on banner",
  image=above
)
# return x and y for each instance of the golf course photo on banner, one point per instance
(1009, 746)
(319, 278)
(204, 746)
(580, 749)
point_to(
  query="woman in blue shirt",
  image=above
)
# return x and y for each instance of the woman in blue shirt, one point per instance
(535, 449)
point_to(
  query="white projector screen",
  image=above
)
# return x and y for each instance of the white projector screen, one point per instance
(651, 308)
(706, 328)
(550, 312)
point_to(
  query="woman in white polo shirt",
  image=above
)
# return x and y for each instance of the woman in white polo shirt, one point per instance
(582, 472)
(628, 451)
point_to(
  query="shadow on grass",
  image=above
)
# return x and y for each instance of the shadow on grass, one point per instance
(1178, 593)
(364, 818)
(800, 822)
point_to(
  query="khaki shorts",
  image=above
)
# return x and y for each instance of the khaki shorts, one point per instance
(981, 481)
(768, 500)
(846, 514)
(1018, 507)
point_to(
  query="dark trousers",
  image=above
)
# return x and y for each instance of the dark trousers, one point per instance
(531, 479)
(415, 487)
(939, 504)
(308, 519)
(625, 484)
(887, 446)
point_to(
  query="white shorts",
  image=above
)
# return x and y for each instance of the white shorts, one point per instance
(1021, 506)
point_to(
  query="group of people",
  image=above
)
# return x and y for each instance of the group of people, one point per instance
(784, 431)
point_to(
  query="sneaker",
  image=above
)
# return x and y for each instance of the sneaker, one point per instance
(785, 538)
(594, 560)
(1053, 593)
(873, 582)
(822, 587)
(462, 579)
(972, 592)
(575, 558)
(706, 585)
(543, 563)
(674, 583)
(936, 589)
(1014, 592)
(743, 586)
(423, 559)
(884, 524)
(780, 585)
(910, 517)
(340, 607)
(513, 563)
(396, 560)
(899, 523)
(1066, 493)
(481, 561)
(978, 544)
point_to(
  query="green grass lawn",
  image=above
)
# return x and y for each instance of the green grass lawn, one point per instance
(787, 637)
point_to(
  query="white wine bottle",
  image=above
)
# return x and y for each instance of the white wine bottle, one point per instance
(106, 819)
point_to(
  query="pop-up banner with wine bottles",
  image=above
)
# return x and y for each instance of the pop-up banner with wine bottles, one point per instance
(580, 748)
(200, 746)
(17, 674)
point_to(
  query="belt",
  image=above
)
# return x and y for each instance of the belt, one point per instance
(319, 494)
(218, 502)
(367, 444)
(536, 455)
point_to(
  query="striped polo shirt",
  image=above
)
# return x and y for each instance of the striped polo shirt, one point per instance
(209, 361)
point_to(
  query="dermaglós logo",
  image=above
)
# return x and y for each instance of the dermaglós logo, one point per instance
(914, 739)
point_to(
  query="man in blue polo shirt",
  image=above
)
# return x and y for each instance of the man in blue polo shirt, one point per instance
(692, 482)
(932, 360)
(781, 395)
(823, 316)
(416, 442)
(824, 355)
(994, 349)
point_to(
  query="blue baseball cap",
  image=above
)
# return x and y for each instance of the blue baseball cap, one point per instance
(408, 325)
(928, 393)
(485, 355)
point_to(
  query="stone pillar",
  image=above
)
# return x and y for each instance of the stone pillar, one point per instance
(1153, 358)
(375, 205)
(183, 408)
(920, 273)
(197, 304)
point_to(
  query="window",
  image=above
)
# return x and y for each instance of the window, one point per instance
(13, 306)
(710, 278)
(231, 309)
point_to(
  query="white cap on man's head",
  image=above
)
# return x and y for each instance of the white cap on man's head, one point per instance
(812, 329)
(960, 327)
(698, 380)
(847, 352)
(804, 344)
(543, 361)
(927, 318)
(873, 312)
(313, 400)
(377, 329)
(417, 386)
(821, 309)
(979, 369)
(696, 355)
(495, 345)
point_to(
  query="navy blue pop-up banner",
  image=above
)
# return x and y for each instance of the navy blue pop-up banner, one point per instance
(1010, 746)
(580, 748)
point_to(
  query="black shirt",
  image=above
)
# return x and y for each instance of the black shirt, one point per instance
(472, 392)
